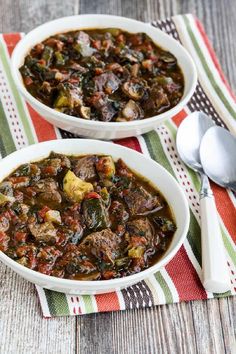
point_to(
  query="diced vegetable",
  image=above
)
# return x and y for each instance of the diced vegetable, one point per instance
(136, 252)
(85, 112)
(168, 58)
(68, 96)
(84, 49)
(47, 54)
(95, 214)
(61, 101)
(60, 59)
(113, 31)
(123, 262)
(20, 181)
(164, 224)
(105, 167)
(105, 195)
(53, 216)
(45, 232)
(5, 199)
(74, 187)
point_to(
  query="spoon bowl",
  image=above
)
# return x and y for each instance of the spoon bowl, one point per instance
(189, 136)
(218, 156)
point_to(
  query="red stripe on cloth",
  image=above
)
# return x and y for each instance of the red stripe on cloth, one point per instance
(131, 143)
(11, 39)
(44, 130)
(213, 56)
(226, 209)
(177, 119)
(107, 302)
(185, 277)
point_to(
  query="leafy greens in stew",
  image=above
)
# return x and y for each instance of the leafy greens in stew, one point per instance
(83, 218)
(103, 74)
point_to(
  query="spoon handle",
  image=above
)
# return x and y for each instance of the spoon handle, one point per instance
(215, 269)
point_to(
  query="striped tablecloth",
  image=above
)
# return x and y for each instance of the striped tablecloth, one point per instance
(20, 125)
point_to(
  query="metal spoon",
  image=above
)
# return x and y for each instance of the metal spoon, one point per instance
(215, 277)
(218, 156)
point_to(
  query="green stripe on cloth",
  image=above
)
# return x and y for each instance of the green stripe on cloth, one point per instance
(156, 151)
(166, 290)
(18, 99)
(206, 67)
(87, 299)
(194, 237)
(7, 143)
(57, 303)
(228, 247)
(2, 148)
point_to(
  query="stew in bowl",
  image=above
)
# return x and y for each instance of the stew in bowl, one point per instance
(105, 75)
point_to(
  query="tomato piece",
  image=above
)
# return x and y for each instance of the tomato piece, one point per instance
(108, 274)
(120, 38)
(137, 241)
(19, 180)
(28, 81)
(45, 268)
(43, 211)
(98, 71)
(92, 195)
(49, 170)
(30, 191)
(97, 44)
(20, 236)
(42, 62)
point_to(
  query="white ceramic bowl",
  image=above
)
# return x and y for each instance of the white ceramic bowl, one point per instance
(136, 161)
(96, 129)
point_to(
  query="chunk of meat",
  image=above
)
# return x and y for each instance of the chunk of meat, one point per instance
(115, 67)
(46, 185)
(161, 98)
(118, 213)
(84, 168)
(140, 201)
(74, 261)
(105, 107)
(45, 232)
(107, 82)
(104, 245)
(4, 240)
(51, 198)
(142, 228)
(77, 67)
(48, 193)
(158, 100)
(65, 161)
(4, 223)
